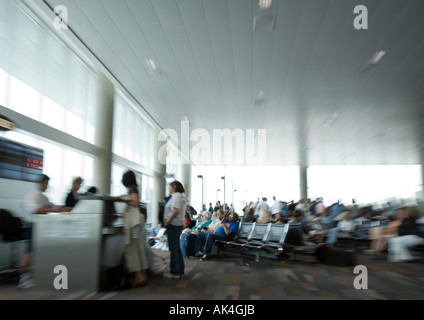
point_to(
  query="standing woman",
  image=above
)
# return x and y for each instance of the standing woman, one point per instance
(135, 256)
(175, 210)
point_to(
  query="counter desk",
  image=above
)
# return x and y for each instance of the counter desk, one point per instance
(83, 243)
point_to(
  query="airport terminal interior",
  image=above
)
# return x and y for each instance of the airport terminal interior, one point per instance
(211, 150)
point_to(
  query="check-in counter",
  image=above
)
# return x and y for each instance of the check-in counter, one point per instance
(87, 241)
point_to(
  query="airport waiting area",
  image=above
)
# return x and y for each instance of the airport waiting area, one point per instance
(278, 260)
(141, 142)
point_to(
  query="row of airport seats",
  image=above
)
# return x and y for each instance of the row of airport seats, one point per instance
(277, 240)
(267, 239)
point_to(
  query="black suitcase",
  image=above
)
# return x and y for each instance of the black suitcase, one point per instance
(335, 256)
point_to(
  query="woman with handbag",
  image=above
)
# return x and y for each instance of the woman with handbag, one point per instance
(135, 256)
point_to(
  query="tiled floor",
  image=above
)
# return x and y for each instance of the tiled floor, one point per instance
(239, 277)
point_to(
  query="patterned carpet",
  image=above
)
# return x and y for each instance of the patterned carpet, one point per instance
(233, 276)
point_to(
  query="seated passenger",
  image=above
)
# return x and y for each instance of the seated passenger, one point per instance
(363, 216)
(265, 217)
(279, 219)
(217, 216)
(250, 217)
(409, 236)
(187, 221)
(197, 238)
(345, 228)
(185, 236)
(227, 231)
(379, 245)
(206, 222)
(320, 226)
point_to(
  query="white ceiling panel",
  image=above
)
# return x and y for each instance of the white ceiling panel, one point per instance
(215, 65)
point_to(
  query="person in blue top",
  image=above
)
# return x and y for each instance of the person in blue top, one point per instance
(227, 231)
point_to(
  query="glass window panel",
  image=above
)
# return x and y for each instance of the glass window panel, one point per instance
(4, 86)
(52, 114)
(74, 125)
(117, 188)
(366, 184)
(38, 60)
(53, 167)
(73, 166)
(24, 99)
(88, 174)
(22, 138)
(90, 133)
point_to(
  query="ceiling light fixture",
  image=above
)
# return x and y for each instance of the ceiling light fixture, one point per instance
(377, 57)
(372, 65)
(154, 69)
(265, 4)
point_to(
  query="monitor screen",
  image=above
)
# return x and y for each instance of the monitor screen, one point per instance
(20, 162)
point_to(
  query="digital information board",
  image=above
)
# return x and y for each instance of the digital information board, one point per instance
(20, 162)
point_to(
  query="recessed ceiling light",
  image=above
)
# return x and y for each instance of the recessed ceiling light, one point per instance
(154, 69)
(263, 23)
(265, 4)
(260, 95)
(259, 101)
(377, 57)
(151, 65)
(331, 119)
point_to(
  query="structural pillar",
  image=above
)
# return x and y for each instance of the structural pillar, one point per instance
(186, 181)
(104, 133)
(303, 179)
(160, 188)
(421, 197)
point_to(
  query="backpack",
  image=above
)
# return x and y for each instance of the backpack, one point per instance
(10, 226)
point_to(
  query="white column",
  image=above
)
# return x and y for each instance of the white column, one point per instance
(303, 175)
(104, 133)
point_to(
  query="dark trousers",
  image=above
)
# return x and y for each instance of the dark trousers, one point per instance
(177, 259)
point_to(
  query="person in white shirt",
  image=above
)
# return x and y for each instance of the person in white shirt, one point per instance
(261, 207)
(175, 210)
(300, 206)
(276, 208)
(345, 227)
(37, 203)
